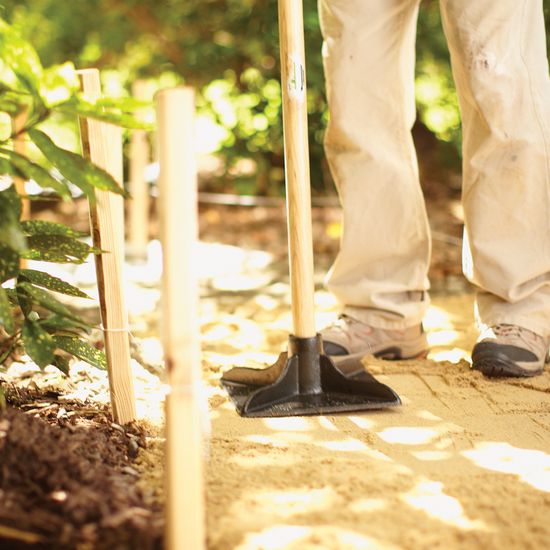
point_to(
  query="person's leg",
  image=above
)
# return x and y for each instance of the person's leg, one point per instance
(380, 273)
(498, 53)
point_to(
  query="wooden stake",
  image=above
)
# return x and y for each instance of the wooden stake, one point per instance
(138, 206)
(20, 146)
(180, 331)
(297, 167)
(101, 143)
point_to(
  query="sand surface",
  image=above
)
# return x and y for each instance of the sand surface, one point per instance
(464, 463)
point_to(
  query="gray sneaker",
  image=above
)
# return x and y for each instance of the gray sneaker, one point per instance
(349, 338)
(510, 350)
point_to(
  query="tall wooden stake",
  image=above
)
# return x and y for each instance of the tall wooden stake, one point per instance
(20, 146)
(138, 207)
(101, 143)
(180, 330)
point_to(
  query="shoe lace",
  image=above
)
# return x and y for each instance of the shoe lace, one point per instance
(508, 330)
(532, 340)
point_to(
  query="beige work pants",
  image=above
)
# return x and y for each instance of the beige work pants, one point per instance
(500, 67)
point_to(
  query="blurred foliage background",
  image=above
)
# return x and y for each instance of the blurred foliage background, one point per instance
(228, 50)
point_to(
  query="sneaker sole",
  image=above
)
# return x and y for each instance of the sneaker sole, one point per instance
(495, 366)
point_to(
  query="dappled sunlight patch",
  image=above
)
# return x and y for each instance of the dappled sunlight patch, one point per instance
(454, 355)
(151, 351)
(223, 260)
(407, 435)
(243, 333)
(324, 319)
(275, 538)
(216, 331)
(363, 422)
(530, 465)
(345, 446)
(266, 302)
(325, 301)
(241, 282)
(294, 537)
(141, 300)
(429, 497)
(150, 394)
(366, 505)
(283, 321)
(437, 319)
(279, 460)
(327, 424)
(293, 502)
(432, 456)
(442, 337)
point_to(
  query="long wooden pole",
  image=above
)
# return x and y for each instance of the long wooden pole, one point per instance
(20, 146)
(293, 84)
(101, 143)
(180, 330)
(138, 207)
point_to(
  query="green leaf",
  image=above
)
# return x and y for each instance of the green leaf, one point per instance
(33, 171)
(10, 230)
(12, 296)
(55, 323)
(39, 345)
(9, 263)
(9, 106)
(11, 235)
(41, 227)
(20, 57)
(46, 300)
(83, 108)
(62, 363)
(124, 104)
(24, 302)
(45, 280)
(74, 167)
(82, 350)
(57, 248)
(6, 167)
(6, 317)
(13, 199)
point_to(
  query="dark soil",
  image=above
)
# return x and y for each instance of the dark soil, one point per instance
(66, 477)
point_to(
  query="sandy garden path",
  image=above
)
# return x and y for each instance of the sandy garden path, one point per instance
(464, 463)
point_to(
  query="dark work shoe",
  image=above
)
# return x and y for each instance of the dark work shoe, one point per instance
(349, 338)
(510, 350)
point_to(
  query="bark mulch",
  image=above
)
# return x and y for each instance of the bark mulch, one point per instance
(66, 477)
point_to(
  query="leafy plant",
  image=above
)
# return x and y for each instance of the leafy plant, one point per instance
(32, 318)
(227, 49)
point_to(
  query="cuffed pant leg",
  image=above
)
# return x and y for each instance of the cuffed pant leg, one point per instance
(380, 273)
(498, 52)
